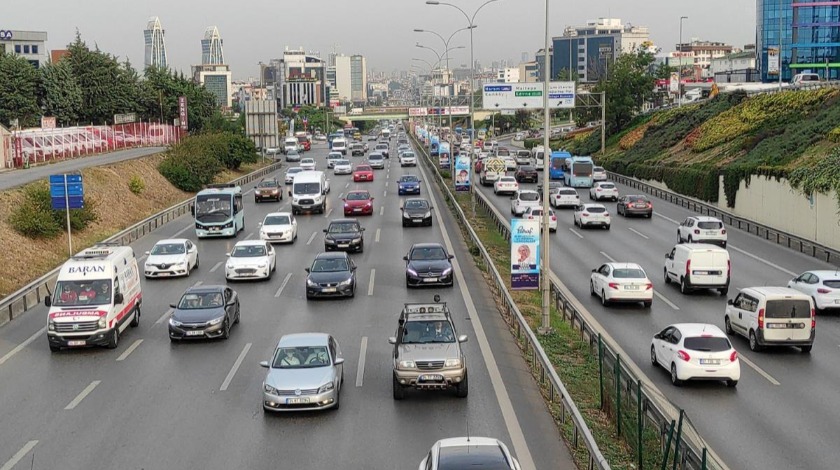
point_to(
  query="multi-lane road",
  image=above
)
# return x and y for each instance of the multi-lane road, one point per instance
(152, 404)
(782, 414)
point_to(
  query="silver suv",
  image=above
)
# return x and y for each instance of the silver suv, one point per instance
(427, 351)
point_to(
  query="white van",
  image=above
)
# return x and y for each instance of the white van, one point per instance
(698, 266)
(309, 192)
(96, 297)
(772, 316)
(290, 143)
(339, 144)
(539, 156)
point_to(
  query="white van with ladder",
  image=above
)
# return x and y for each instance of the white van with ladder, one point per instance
(96, 297)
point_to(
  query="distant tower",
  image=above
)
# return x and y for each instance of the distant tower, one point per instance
(211, 47)
(155, 45)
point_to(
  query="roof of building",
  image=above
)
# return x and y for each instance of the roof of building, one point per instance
(738, 55)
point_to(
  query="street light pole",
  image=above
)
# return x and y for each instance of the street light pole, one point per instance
(680, 46)
(545, 282)
(780, 48)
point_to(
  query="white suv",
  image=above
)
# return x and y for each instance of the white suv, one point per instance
(603, 190)
(702, 229)
(592, 214)
(522, 200)
(408, 158)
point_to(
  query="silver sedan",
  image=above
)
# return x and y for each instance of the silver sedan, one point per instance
(305, 373)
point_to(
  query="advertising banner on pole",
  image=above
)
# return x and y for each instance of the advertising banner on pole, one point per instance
(772, 60)
(182, 112)
(524, 254)
(463, 169)
(674, 86)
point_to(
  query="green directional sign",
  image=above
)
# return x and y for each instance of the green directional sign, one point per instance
(528, 93)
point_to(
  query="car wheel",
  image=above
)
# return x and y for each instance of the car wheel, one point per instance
(666, 276)
(648, 303)
(653, 360)
(679, 237)
(592, 289)
(114, 341)
(690, 239)
(723, 291)
(197, 262)
(353, 292)
(754, 346)
(135, 322)
(604, 300)
(238, 316)
(226, 329)
(727, 326)
(806, 349)
(463, 388)
(188, 270)
(607, 226)
(337, 402)
(674, 379)
(684, 289)
(731, 383)
(55, 348)
(399, 391)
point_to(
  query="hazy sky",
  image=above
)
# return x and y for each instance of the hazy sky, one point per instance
(381, 30)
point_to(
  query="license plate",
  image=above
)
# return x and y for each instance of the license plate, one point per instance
(329, 289)
(357, 210)
(837, 301)
(430, 279)
(163, 274)
(296, 401)
(711, 232)
(343, 245)
(781, 326)
(417, 221)
(76, 343)
(699, 272)
(431, 378)
(631, 287)
(195, 333)
(214, 229)
(711, 362)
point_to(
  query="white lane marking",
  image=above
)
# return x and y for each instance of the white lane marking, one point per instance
(759, 370)
(248, 192)
(576, 233)
(140, 259)
(22, 345)
(360, 372)
(757, 258)
(381, 210)
(19, 455)
(164, 316)
(520, 445)
(235, 367)
(179, 232)
(346, 185)
(372, 279)
(312, 237)
(283, 285)
(327, 215)
(377, 235)
(340, 195)
(198, 283)
(249, 236)
(666, 218)
(608, 257)
(81, 396)
(216, 266)
(664, 299)
(129, 350)
(638, 233)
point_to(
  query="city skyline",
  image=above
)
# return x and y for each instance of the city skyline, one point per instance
(505, 28)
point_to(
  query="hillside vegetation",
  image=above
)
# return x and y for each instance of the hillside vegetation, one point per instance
(793, 134)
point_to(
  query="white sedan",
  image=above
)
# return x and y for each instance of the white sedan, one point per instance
(564, 197)
(342, 167)
(510, 163)
(250, 259)
(695, 351)
(603, 190)
(290, 174)
(505, 185)
(621, 282)
(822, 286)
(280, 227)
(536, 213)
(169, 258)
(307, 164)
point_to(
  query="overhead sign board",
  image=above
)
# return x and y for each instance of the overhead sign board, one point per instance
(418, 111)
(528, 95)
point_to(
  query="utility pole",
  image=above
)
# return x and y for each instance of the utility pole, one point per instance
(545, 242)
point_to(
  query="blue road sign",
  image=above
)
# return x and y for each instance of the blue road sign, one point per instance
(76, 202)
(67, 190)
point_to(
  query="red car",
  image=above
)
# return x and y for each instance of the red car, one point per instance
(304, 142)
(358, 202)
(363, 173)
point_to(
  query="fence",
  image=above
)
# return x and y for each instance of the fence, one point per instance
(32, 294)
(33, 146)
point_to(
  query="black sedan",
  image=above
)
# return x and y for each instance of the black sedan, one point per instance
(428, 264)
(344, 235)
(416, 211)
(634, 204)
(204, 312)
(331, 275)
(526, 174)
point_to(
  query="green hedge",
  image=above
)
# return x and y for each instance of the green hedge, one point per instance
(35, 218)
(822, 176)
(700, 183)
(195, 162)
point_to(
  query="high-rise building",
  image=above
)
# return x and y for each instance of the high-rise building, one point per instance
(351, 77)
(211, 47)
(155, 44)
(590, 50)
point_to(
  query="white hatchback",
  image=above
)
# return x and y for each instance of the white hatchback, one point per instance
(333, 157)
(290, 174)
(279, 227)
(250, 259)
(592, 214)
(564, 197)
(702, 229)
(510, 163)
(621, 282)
(695, 351)
(505, 185)
(603, 190)
(342, 167)
(522, 200)
(822, 286)
(599, 173)
(536, 213)
(308, 164)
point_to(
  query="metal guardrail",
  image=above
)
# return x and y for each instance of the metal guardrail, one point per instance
(31, 295)
(771, 234)
(545, 372)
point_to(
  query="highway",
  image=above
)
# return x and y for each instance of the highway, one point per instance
(781, 415)
(155, 405)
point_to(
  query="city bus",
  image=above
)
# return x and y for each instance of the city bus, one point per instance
(580, 172)
(218, 211)
(556, 165)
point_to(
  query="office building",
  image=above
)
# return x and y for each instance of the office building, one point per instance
(509, 75)
(589, 51)
(30, 45)
(694, 58)
(351, 77)
(211, 47)
(216, 78)
(529, 72)
(155, 45)
(737, 67)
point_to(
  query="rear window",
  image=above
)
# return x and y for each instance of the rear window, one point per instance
(596, 210)
(607, 186)
(529, 197)
(710, 225)
(567, 192)
(788, 308)
(628, 273)
(483, 457)
(707, 343)
(832, 284)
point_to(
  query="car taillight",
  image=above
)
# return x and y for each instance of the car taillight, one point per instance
(823, 291)
(687, 267)
(597, 189)
(649, 206)
(813, 318)
(723, 231)
(606, 214)
(614, 285)
(585, 214)
(733, 356)
(683, 355)
(554, 218)
(761, 318)
(649, 286)
(696, 232)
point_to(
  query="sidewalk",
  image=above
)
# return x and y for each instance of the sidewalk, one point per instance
(13, 178)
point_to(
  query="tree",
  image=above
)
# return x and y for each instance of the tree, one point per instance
(60, 93)
(18, 91)
(663, 71)
(159, 98)
(628, 87)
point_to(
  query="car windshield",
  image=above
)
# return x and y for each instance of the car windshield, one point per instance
(596, 210)
(420, 332)
(292, 152)
(408, 179)
(343, 227)
(375, 156)
(268, 184)
(467, 456)
(211, 208)
(606, 186)
(301, 357)
(709, 225)
(628, 273)
(408, 154)
(707, 344)
(332, 265)
(169, 249)
(248, 251)
(276, 220)
(416, 204)
(342, 162)
(598, 169)
(307, 161)
(82, 293)
(358, 196)
(526, 168)
(362, 168)
(567, 192)
(307, 188)
(428, 253)
(788, 308)
(529, 197)
(294, 170)
(198, 300)
(335, 155)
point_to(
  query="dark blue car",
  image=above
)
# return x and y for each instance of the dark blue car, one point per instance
(408, 184)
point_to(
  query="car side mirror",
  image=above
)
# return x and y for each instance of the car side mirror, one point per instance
(259, 224)
(339, 361)
(344, 199)
(148, 253)
(462, 339)
(118, 298)
(730, 302)
(657, 336)
(192, 210)
(594, 270)
(264, 364)
(290, 193)
(48, 301)
(667, 255)
(405, 258)
(353, 268)
(325, 230)
(451, 256)
(173, 306)
(307, 269)
(362, 229)
(392, 340)
(227, 254)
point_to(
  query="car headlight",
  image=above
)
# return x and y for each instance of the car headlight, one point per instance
(345, 283)
(229, 266)
(446, 272)
(357, 240)
(51, 325)
(263, 264)
(310, 283)
(180, 263)
(269, 389)
(427, 214)
(326, 387)
(407, 365)
(406, 215)
(215, 321)
(174, 322)
(411, 271)
(102, 323)
(329, 241)
(453, 363)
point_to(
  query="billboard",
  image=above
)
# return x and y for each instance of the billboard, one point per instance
(418, 111)
(524, 254)
(528, 95)
(772, 61)
(463, 169)
(674, 86)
